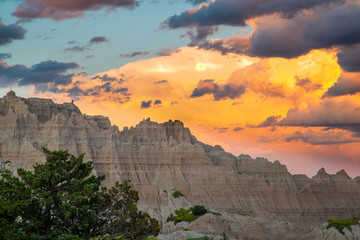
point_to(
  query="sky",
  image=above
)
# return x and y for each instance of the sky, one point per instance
(278, 79)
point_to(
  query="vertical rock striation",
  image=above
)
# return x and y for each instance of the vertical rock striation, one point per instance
(159, 158)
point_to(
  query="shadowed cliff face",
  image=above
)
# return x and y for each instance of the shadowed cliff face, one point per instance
(159, 158)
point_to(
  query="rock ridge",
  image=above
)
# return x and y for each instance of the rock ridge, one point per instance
(161, 157)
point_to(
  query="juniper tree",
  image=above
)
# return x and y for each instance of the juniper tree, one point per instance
(61, 199)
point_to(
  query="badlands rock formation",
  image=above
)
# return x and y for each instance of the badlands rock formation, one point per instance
(159, 158)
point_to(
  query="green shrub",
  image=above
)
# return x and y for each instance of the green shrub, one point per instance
(187, 215)
(215, 213)
(201, 238)
(340, 224)
(62, 200)
(182, 215)
(177, 194)
(198, 210)
(224, 237)
(186, 229)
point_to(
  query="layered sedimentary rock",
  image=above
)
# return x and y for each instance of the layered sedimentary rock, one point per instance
(159, 158)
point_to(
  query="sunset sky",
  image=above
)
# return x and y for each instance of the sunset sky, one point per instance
(278, 78)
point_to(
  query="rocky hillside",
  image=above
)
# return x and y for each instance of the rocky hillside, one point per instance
(253, 195)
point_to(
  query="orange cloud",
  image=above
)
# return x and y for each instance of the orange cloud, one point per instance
(271, 87)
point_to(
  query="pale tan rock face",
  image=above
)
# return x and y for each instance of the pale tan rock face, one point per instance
(159, 158)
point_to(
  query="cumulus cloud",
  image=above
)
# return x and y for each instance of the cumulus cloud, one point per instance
(320, 137)
(347, 84)
(41, 73)
(235, 13)
(134, 54)
(282, 28)
(336, 113)
(294, 37)
(9, 33)
(98, 39)
(65, 9)
(349, 58)
(146, 104)
(219, 91)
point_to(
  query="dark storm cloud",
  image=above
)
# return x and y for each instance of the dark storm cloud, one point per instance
(200, 34)
(316, 138)
(41, 73)
(9, 33)
(146, 104)
(134, 54)
(289, 33)
(235, 13)
(349, 58)
(331, 113)
(219, 91)
(196, 2)
(65, 9)
(98, 39)
(270, 121)
(4, 56)
(161, 81)
(294, 37)
(239, 45)
(345, 85)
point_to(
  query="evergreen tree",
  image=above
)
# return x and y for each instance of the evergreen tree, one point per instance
(60, 199)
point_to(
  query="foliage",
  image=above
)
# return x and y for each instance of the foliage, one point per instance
(188, 215)
(61, 200)
(199, 210)
(177, 194)
(201, 238)
(186, 229)
(215, 213)
(225, 237)
(340, 224)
